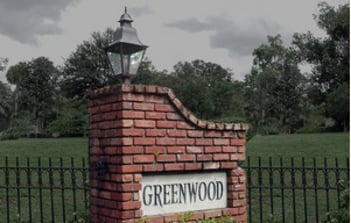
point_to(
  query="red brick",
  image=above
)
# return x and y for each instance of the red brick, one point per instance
(144, 159)
(145, 124)
(229, 134)
(121, 159)
(229, 165)
(213, 213)
(174, 166)
(213, 149)
(229, 149)
(117, 177)
(155, 219)
(203, 142)
(132, 132)
(221, 142)
(105, 108)
(185, 157)
(220, 156)
(130, 150)
(130, 205)
(194, 149)
(241, 149)
(166, 124)
(150, 89)
(123, 214)
(155, 115)
(237, 142)
(165, 141)
(156, 132)
(155, 149)
(127, 169)
(118, 196)
(173, 116)
(166, 158)
(126, 123)
(204, 157)
(193, 166)
(195, 133)
(153, 167)
(176, 149)
(185, 141)
(133, 97)
(163, 107)
(155, 99)
(176, 133)
(95, 150)
(211, 166)
(184, 125)
(129, 187)
(121, 141)
(143, 106)
(144, 141)
(109, 116)
(213, 134)
(132, 114)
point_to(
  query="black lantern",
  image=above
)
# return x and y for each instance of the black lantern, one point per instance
(126, 51)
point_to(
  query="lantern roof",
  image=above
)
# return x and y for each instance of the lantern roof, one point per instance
(125, 38)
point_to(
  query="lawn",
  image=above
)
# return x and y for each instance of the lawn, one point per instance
(64, 152)
(299, 145)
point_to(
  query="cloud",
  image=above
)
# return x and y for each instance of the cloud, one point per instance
(140, 10)
(24, 21)
(239, 40)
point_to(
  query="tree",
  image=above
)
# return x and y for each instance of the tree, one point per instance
(87, 67)
(331, 61)
(3, 63)
(5, 105)
(206, 88)
(34, 90)
(274, 88)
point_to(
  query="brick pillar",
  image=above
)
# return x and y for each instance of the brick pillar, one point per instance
(137, 129)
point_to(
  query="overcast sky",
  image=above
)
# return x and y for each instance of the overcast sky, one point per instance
(221, 31)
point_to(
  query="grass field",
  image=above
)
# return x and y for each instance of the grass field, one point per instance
(299, 145)
(309, 146)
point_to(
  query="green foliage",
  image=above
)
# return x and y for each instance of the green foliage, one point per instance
(34, 92)
(272, 219)
(19, 127)
(329, 81)
(337, 103)
(79, 217)
(274, 89)
(186, 218)
(3, 63)
(342, 215)
(87, 67)
(6, 106)
(72, 120)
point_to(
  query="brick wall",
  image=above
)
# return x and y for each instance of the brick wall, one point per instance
(137, 129)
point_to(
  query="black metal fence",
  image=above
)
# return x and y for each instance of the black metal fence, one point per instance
(43, 190)
(295, 190)
(278, 189)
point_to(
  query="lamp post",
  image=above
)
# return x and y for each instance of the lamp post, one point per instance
(125, 52)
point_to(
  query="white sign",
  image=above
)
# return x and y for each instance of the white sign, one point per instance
(161, 194)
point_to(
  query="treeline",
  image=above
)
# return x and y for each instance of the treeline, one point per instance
(275, 96)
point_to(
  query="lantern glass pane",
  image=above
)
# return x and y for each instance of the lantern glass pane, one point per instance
(115, 60)
(135, 60)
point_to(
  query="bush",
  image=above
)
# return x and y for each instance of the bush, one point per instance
(70, 123)
(342, 215)
(72, 120)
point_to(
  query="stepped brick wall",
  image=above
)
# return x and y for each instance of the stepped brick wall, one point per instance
(137, 129)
